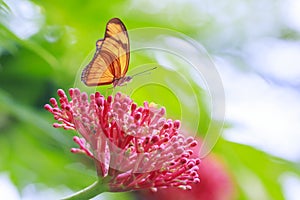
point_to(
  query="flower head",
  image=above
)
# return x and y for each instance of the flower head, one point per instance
(216, 183)
(135, 147)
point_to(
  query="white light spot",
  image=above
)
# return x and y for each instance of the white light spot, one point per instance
(291, 186)
(276, 58)
(7, 189)
(23, 18)
(262, 115)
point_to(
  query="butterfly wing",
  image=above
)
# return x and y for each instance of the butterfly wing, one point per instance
(111, 59)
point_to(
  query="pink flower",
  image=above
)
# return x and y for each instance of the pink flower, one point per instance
(216, 184)
(133, 147)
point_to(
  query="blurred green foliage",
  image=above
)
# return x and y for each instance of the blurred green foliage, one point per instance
(34, 67)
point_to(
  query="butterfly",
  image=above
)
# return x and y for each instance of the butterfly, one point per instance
(111, 59)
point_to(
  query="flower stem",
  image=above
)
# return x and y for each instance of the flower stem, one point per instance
(89, 192)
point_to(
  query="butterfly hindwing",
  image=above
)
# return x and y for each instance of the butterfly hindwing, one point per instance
(111, 59)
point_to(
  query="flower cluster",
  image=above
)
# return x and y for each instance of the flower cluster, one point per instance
(216, 183)
(134, 147)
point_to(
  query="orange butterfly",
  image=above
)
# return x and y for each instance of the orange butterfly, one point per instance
(111, 60)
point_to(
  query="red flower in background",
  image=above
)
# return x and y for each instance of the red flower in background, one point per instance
(215, 184)
(133, 147)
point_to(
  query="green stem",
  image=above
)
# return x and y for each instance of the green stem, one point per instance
(89, 192)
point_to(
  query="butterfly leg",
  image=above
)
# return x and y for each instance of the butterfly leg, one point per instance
(108, 89)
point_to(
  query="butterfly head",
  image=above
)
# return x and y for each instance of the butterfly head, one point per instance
(121, 81)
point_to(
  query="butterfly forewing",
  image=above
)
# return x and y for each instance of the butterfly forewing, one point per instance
(99, 44)
(111, 59)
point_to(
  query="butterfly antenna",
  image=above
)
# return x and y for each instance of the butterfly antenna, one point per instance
(147, 70)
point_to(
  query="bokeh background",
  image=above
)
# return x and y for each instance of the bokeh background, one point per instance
(254, 44)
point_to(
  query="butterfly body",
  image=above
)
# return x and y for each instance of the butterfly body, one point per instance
(121, 81)
(111, 59)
